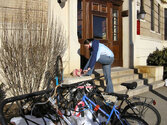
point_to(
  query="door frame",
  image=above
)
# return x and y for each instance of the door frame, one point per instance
(87, 28)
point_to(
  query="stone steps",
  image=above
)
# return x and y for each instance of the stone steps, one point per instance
(120, 75)
(124, 78)
(121, 79)
(144, 88)
(156, 84)
(138, 90)
(118, 87)
(116, 71)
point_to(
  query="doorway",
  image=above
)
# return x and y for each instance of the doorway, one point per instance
(101, 20)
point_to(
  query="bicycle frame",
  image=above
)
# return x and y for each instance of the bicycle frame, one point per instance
(85, 99)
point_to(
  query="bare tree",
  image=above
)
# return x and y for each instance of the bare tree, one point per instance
(28, 49)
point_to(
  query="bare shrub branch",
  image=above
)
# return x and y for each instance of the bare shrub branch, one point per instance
(29, 48)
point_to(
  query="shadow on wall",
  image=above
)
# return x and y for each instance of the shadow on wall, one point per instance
(83, 59)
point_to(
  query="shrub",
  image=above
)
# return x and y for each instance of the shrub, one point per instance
(159, 58)
(28, 48)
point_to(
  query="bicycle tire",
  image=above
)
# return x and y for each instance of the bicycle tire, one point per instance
(57, 72)
(131, 120)
(58, 69)
(51, 83)
(140, 113)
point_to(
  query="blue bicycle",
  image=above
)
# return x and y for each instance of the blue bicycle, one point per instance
(114, 117)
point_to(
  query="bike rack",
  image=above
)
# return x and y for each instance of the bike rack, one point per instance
(19, 98)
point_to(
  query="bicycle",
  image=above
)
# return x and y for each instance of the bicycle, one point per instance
(70, 94)
(121, 120)
(60, 99)
(63, 94)
(140, 106)
(53, 111)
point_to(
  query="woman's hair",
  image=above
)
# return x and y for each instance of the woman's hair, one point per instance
(87, 41)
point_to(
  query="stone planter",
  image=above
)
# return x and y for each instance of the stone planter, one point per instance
(155, 72)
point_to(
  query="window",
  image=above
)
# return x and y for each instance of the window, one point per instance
(159, 19)
(165, 24)
(80, 19)
(115, 24)
(99, 27)
(152, 15)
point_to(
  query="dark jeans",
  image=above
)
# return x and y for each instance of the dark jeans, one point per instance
(106, 62)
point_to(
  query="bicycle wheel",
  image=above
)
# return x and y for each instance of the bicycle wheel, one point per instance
(51, 83)
(130, 120)
(144, 111)
(58, 70)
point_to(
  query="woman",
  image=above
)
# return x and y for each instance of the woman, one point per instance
(102, 54)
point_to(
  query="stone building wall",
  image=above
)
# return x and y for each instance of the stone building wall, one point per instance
(146, 24)
(15, 11)
(149, 40)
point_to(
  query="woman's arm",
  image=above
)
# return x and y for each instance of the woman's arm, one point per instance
(95, 47)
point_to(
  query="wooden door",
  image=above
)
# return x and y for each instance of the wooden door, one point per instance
(100, 20)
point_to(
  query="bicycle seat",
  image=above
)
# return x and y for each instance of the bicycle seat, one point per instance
(132, 85)
(119, 96)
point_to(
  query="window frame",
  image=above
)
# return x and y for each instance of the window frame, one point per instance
(80, 19)
(152, 14)
(159, 18)
(117, 25)
(165, 24)
(106, 28)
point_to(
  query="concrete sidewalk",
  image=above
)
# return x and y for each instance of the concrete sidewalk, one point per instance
(160, 95)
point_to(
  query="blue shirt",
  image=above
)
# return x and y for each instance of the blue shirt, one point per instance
(98, 49)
